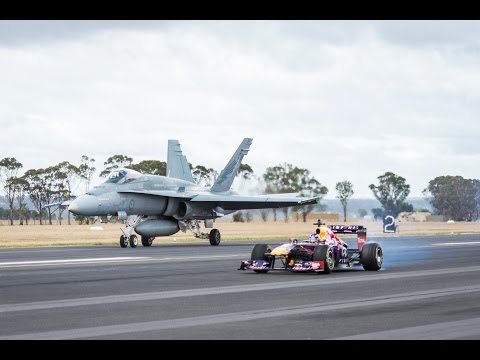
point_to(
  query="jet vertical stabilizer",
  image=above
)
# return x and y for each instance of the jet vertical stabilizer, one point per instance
(226, 177)
(177, 164)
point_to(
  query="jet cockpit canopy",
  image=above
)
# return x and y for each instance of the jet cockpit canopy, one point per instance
(123, 175)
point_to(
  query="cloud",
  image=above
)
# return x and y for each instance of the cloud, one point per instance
(348, 100)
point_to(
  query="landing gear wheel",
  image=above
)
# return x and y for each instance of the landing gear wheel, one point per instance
(123, 241)
(133, 241)
(324, 253)
(214, 237)
(147, 241)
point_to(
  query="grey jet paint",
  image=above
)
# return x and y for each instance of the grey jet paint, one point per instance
(155, 205)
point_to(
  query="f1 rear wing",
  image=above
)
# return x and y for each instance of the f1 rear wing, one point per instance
(360, 230)
(348, 229)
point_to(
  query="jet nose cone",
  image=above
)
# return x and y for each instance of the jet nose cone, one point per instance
(86, 205)
(73, 207)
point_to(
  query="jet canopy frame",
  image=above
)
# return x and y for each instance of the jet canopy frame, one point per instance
(122, 175)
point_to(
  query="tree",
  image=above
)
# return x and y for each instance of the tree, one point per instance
(273, 180)
(86, 170)
(65, 178)
(34, 177)
(245, 171)
(264, 214)
(116, 162)
(9, 168)
(54, 189)
(454, 197)
(344, 193)
(44, 188)
(285, 178)
(362, 213)
(238, 217)
(391, 193)
(378, 213)
(204, 176)
(476, 199)
(154, 167)
(21, 186)
(311, 187)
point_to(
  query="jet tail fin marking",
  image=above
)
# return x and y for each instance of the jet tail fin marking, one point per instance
(226, 177)
(177, 164)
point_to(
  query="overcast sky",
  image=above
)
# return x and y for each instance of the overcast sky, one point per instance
(347, 100)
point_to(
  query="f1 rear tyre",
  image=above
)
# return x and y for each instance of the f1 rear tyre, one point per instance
(371, 256)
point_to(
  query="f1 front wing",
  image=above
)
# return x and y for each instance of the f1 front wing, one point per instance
(264, 265)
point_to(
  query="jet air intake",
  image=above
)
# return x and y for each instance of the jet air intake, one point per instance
(156, 227)
(183, 210)
(178, 209)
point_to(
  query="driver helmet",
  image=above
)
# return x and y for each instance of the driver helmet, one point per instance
(313, 237)
(321, 233)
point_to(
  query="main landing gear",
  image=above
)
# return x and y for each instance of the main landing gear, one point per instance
(194, 226)
(129, 238)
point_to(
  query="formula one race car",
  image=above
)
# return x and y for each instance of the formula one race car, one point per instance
(324, 251)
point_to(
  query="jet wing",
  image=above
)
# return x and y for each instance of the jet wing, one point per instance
(232, 202)
(164, 193)
(240, 202)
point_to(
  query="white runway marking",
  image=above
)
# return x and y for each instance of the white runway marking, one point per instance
(68, 261)
(457, 243)
(205, 257)
(15, 264)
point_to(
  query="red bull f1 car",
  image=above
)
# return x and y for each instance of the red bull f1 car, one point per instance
(322, 252)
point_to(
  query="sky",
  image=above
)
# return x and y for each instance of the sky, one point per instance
(347, 100)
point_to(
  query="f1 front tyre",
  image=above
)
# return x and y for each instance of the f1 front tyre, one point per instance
(258, 253)
(324, 253)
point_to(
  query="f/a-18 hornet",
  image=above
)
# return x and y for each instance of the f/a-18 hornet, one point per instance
(155, 205)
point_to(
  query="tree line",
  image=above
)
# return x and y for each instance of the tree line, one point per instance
(451, 196)
(60, 182)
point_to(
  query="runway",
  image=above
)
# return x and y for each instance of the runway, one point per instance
(428, 288)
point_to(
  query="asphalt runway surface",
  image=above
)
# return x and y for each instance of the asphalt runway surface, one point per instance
(428, 288)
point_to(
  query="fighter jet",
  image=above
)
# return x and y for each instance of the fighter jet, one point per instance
(155, 205)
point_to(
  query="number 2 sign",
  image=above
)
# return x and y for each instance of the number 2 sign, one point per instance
(389, 224)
